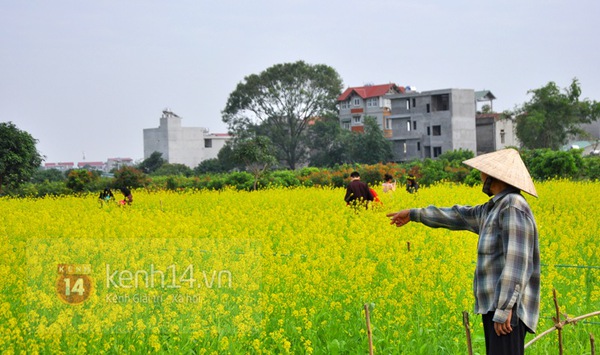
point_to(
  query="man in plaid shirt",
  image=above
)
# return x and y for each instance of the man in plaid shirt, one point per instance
(507, 276)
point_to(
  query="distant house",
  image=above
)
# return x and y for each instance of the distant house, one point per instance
(587, 147)
(63, 166)
(117, 163)
(182, 145)
(495, 131)
(429, 123)
(371, 100)
(91, 165)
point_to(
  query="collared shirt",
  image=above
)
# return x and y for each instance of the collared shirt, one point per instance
(508, 256)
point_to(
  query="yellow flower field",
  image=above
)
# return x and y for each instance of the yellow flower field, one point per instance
(274, 271)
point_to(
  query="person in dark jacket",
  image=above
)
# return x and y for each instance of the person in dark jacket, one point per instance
(357, 192)
(412, 185)
(105, 196)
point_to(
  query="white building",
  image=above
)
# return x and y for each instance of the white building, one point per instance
(182, 145)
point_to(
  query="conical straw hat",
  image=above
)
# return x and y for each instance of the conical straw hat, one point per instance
(505, 165)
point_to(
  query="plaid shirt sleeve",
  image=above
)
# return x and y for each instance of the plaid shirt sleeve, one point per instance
(453, 218)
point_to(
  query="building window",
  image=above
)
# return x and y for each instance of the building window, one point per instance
(414, 102)
(437, 151)
(407, 104)
(428, 131)
(437, 130)
(346, 125)
(356, 101)
(414, 125)
(440, 102)
(356, 119)
(344, 104)
(404, 147)
(388, 123)
(208, 143)
(419, 146)
(408, 126)
(428, 108)
(373, 102)
(502, 136)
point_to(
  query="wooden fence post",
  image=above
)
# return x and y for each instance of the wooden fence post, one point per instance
(557, 323)
(369, 334)
(467, 330)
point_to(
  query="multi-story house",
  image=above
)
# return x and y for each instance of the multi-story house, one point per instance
(429, 123)
(62, 166)
(372, 100)
(92, 165)
(117, 163)
(182, 145)
(495, 131)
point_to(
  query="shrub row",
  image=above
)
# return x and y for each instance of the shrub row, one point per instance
(543, 165)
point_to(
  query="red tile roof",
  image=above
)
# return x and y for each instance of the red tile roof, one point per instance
(370, 91)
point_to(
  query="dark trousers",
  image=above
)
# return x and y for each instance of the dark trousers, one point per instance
(510, 344)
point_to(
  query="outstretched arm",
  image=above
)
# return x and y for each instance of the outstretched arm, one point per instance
(399, 218)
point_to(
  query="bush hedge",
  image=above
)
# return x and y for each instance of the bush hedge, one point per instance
(543, 164)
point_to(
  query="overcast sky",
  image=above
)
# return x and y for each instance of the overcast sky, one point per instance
(86, 77)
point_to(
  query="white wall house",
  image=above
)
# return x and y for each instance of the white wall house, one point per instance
(182, 145)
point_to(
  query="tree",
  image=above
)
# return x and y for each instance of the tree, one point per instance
(256, 154)
(168, 169)
(209, 166)
(79, 180)
(370, 146)
(547, 120)
(19, 158)
(152, 163)
(50, 175)
(327, 142)
(282, 99)
(131, 177)
(226, 158)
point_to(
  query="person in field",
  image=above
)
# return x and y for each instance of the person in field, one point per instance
(389, 184)
(412, 185)
(106, 195)
(507, 275)
(127, 196)
(357, 192)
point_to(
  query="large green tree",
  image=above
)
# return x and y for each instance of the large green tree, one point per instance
(19, 157)
(552, 115)
(328, 142)
(370, 146)
(152, 163)
(282, 99)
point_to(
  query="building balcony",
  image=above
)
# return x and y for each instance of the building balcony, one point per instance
(406, 135)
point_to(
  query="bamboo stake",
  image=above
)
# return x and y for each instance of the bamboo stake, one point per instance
(466, 323)
(369, 334)
(557, 321)
(592, 344)
(561, 325)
